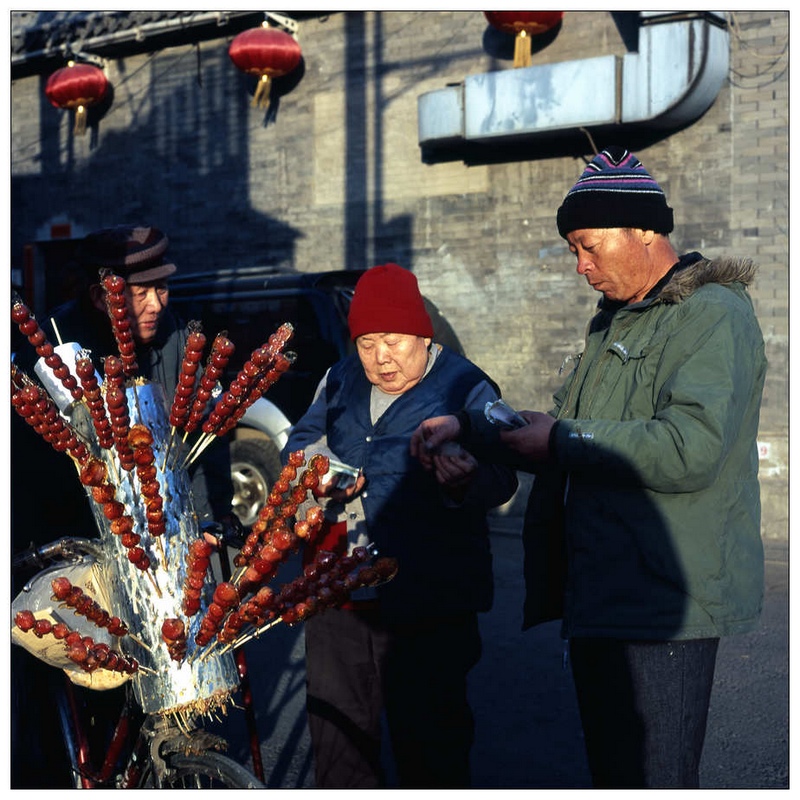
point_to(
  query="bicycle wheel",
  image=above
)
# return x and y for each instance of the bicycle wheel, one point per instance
(207, 771)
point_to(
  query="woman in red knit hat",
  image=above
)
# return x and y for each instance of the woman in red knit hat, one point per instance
(405, 647)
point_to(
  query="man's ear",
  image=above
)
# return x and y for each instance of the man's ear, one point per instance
(97, 296)
(648, 237)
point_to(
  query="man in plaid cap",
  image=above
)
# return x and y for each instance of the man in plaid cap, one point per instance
(137, 253)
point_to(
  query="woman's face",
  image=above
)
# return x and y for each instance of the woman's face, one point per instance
(394, 362)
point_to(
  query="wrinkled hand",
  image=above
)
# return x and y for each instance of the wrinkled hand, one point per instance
(226, 530)
(328, 488)
(532, 441)
(431, 435)
(454, 468)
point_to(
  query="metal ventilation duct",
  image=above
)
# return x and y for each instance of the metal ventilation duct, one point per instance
(679, 69)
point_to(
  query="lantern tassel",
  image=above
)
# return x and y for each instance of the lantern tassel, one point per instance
(522, 50)
(80, 120)
(261, 97)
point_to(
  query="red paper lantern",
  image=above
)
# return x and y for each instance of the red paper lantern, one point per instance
(523, 24)
(266, 53)
(77, 86)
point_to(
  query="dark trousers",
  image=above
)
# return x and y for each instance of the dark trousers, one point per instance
(357, 667)
(644, 707)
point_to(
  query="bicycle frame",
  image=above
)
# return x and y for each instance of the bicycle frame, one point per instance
(133, 756)
(86, 773)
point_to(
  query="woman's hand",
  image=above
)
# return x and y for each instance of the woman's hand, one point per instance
(431, 435)
(454, 469)
(327, 487)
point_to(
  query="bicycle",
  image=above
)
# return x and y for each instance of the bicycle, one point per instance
(182, 632)
(146, 750)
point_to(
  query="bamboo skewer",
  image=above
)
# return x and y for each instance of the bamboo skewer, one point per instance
(55, 330)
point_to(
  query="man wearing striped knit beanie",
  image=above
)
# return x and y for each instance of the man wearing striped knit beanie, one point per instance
(642, 532)
(615, 191)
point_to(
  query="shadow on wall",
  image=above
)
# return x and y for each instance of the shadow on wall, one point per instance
(184, 163)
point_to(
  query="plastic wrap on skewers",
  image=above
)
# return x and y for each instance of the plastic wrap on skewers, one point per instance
(499, 413)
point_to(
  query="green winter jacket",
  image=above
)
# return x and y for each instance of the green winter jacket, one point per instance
(654, 508)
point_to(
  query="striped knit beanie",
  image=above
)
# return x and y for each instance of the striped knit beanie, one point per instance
(615, 191)
(134, 252)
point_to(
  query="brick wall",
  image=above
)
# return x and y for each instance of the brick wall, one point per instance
(332, 178)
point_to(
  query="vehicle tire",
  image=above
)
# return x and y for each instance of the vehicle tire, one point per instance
(255, 466)
(207, 771)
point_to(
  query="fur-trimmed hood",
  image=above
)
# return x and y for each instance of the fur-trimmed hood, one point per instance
(724, 271)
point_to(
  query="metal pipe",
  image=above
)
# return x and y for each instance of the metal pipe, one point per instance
(135, 33)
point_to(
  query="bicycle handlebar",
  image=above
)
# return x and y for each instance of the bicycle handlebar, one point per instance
(227, 532)
(34, 557)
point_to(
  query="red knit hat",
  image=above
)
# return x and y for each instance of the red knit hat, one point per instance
(387, 300)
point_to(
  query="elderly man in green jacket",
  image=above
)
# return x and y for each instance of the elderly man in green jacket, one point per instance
(643, 525)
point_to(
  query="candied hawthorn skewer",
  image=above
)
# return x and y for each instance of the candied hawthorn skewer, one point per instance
(114, 373)
(226, 598)
(89, 656)
(280, 541)
(240, 388)
(184, 392)
(271, 539)
(117, 404)
(327, 582)
(94, 399)
(117, 306)
(84, 605)
(232, 397)
(231, 627)
(239, 395)
(82, 650)
(256, 611)
(280, 494)
(94, 474)
(29, 327)
(222, 349)
(173, 633)
(34, 405)
(198, 559)
(274, 500)
(140, 440)
(334, 588)
(262, 567)
(320, 583)
(282, 363)
(187, 378)
(271, 362)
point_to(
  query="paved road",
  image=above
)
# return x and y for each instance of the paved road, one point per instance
(528, 731)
